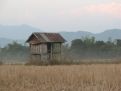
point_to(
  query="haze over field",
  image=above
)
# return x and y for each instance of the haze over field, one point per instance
(62, 15)
(20, 33)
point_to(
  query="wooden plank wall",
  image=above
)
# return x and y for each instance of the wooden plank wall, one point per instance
(56, 53)
(38, 49)
(41, 51)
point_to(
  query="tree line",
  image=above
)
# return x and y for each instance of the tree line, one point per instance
(89, 47)
(83, 48)
(15, 52)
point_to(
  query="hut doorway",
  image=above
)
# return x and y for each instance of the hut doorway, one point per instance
(49, 51)
(49, 47)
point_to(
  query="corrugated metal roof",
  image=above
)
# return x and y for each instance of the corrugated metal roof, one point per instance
(48, 37)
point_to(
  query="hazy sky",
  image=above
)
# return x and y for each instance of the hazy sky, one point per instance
(62, 15)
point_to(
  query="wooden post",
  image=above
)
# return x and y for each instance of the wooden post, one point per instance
(60, 51)
(51, 52)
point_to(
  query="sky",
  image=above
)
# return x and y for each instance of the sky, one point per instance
(62, 15)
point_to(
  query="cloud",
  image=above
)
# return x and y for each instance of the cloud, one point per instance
(60, 14)
(112, 9)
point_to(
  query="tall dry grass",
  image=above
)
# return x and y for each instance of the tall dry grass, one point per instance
(98, 77)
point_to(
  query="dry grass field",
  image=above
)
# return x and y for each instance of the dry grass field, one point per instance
(98, 77)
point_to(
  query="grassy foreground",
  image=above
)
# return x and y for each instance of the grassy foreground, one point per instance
(98, 77)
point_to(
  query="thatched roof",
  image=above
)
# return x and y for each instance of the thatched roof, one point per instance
(38, 37)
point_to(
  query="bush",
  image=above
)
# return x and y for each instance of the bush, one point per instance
(37, 62)
(1, 63)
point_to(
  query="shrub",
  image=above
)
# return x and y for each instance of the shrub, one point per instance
(1, 63)
(37, 62)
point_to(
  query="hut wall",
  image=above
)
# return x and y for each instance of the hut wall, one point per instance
(42, 52)
(38, 48)
(56, 48)
(56, 51)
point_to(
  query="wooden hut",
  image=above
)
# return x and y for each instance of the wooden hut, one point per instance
(45, 46)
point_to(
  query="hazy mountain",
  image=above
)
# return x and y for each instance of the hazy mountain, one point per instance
(17, 32)
(8, 34)
(112, 33)
(21, 33)
(69, 36)
(4, 41)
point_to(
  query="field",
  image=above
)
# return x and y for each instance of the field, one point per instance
(95, 77)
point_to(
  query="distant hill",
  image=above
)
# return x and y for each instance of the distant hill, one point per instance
(22, 32)
(69, 36)
(4, 42)
(17, 32)
(112, 33)
(8, 34)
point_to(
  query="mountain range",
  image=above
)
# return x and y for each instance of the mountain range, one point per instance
(106, 35)
(20, 33)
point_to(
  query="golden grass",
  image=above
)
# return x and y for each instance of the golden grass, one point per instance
(98, 77)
